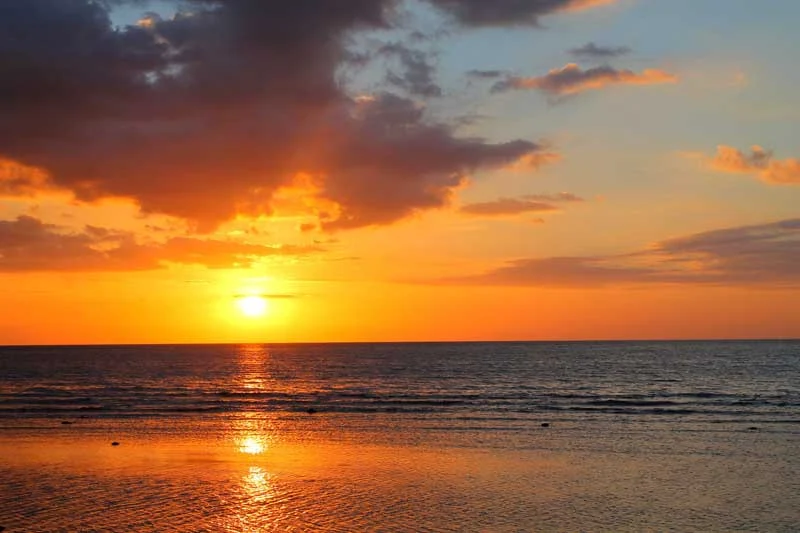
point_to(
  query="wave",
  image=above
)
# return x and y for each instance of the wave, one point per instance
(124, 402)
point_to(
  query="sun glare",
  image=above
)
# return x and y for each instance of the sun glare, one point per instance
(252, 306)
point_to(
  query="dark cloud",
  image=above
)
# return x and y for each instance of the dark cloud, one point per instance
(765, 254)
(759, 162)
(592, 51)
(209, 113)
(28, 244)
(391, 163)
(533, 203)
(418, 74)
(571, 79)
(485, 74)
(509, 12)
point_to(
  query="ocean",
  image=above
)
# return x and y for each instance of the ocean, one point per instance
(495, 436)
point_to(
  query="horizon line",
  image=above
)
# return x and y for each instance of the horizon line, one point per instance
(473, 341)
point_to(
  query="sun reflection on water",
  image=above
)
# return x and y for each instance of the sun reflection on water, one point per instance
(252, 434)
(257, 481)
(254, 367)
(252, 445)
(250, 511)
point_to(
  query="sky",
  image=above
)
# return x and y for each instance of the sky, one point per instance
(390, 170)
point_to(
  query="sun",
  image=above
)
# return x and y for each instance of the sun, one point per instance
(252, 306)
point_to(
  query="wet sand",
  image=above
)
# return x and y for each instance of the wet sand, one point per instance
(247, 478)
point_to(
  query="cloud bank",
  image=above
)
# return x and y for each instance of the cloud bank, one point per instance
(209, 113)
(27, 245)
(764, 254)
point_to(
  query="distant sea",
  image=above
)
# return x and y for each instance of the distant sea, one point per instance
(495, 436)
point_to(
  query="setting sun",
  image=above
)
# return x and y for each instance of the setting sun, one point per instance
(252, 306)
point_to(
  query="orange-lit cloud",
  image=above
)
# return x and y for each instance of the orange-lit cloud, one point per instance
(571, 79)
(758, 162)
(28, 244)
(533, 161)
(17, 180)
(576, 5)
(765, 254)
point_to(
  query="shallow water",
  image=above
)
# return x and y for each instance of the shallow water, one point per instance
(702, 381)
(403, 437)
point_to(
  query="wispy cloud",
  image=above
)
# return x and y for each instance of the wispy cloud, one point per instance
(485, 74)
(268, 296)
(533, 203)
(593, 51)
(572, 79)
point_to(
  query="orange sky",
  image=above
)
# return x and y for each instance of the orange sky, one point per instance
(398, 171)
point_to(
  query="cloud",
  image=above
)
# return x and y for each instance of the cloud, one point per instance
(558, 197)
(510, 12)
(533, 203)
(759, 162)
(533, 161)
(418, 73)
(392, 164)
(764, 254)
(28, 244)
(507, 206)
(207, 114)
(592, 51)
(571, 79)
(269, 296)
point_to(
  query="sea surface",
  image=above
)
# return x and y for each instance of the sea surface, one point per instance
(511, 436)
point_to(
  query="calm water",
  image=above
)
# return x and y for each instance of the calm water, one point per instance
(683, 436)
